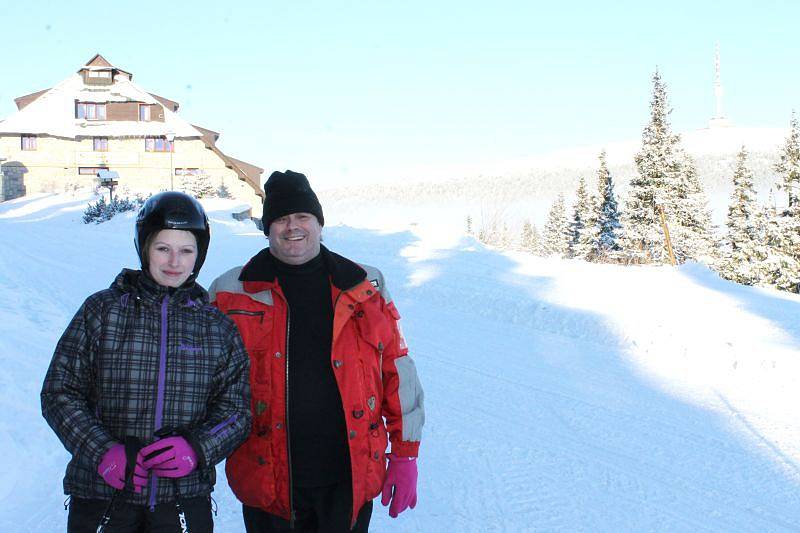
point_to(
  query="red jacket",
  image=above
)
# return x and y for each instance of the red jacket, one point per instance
(381, 394)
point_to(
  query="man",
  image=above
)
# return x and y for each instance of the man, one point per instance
(331, 378)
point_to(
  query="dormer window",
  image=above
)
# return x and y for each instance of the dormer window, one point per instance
(90, 111)
(98, 77)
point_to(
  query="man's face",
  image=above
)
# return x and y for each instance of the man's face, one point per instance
(294, 239)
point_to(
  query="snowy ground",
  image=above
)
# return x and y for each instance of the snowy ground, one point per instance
(560, 396)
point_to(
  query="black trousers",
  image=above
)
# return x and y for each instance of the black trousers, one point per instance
(85, 515)
(317, 510)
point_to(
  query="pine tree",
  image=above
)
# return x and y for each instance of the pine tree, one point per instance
(741, 256)
(691, 225)
(607, 214)
(530, 240)
(223, 191)
(658, 168)
(782, 266)
(505, 239)
(198, 185)
(582, 227)
(494, 230)
(469, 225)
(556, 236)
(789, 165)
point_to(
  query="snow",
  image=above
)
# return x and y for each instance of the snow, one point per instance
(53, 113)
(560, 395)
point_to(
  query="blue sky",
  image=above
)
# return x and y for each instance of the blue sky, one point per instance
(362, 91)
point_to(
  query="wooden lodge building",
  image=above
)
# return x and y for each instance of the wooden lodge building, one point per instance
(98, 118)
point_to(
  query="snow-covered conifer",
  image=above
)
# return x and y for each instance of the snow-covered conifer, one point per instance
(781, 268)
(740, 257)
(582, 227)
(494, 230)
(198, 185)
(658, 166)
(530, 240)
(789, 165)
(607, 213)
(691, 226)
(555, 240)
(223, 191)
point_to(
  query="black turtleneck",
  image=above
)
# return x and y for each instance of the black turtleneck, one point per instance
(317, 431)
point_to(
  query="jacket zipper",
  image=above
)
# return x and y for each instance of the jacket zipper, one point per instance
(162, 370)
(246, 313)
(286, 422)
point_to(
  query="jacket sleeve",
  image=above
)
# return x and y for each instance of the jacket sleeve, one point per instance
(403, 396)
(68, 389)
(229, 419)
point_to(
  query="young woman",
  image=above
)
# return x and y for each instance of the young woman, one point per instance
(148, 388)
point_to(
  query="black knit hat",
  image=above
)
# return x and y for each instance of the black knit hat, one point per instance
(286, 193)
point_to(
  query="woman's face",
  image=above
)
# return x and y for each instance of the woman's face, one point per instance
(171, 256)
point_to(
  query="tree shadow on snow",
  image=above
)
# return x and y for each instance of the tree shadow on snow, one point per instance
(780, 308)
(537, 420)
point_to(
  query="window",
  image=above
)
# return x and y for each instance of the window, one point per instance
(187, 172)
(29, 142)
(90, 111)
(100, 144)
(90, 171)
(99, 73)
(158, 144)
(144, 112)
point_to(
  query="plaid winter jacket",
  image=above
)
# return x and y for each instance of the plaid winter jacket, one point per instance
(137, 359)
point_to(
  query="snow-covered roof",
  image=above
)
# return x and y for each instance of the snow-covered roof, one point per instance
(53, 113)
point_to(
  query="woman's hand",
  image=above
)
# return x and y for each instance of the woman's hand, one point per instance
(169, 457)
(112, 469)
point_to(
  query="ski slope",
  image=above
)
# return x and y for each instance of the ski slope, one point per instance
(560, 395)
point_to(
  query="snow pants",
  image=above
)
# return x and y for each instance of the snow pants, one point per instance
(85, 515)
(317, 510)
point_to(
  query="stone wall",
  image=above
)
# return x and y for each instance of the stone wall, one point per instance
(13, 184)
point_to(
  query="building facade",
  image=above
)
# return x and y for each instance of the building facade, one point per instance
(98, 119)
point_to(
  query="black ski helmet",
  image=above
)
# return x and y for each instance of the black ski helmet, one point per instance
(173, 210)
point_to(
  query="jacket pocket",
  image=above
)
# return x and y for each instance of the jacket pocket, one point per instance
(373, 326)
(376, 462)
(254, 325)
(260, 389)
(250, 472)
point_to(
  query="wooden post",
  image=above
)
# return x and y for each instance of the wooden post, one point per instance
(666, 234)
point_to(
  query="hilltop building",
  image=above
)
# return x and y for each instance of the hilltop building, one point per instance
(99, 119)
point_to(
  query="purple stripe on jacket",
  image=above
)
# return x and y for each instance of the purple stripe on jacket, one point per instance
(162, 375)
(227, 422)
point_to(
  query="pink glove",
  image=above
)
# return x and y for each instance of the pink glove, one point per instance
(112, 469)
(401, 484)
(169, 457)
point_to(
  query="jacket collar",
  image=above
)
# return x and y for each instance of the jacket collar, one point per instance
(345, 274)
(142, 287)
